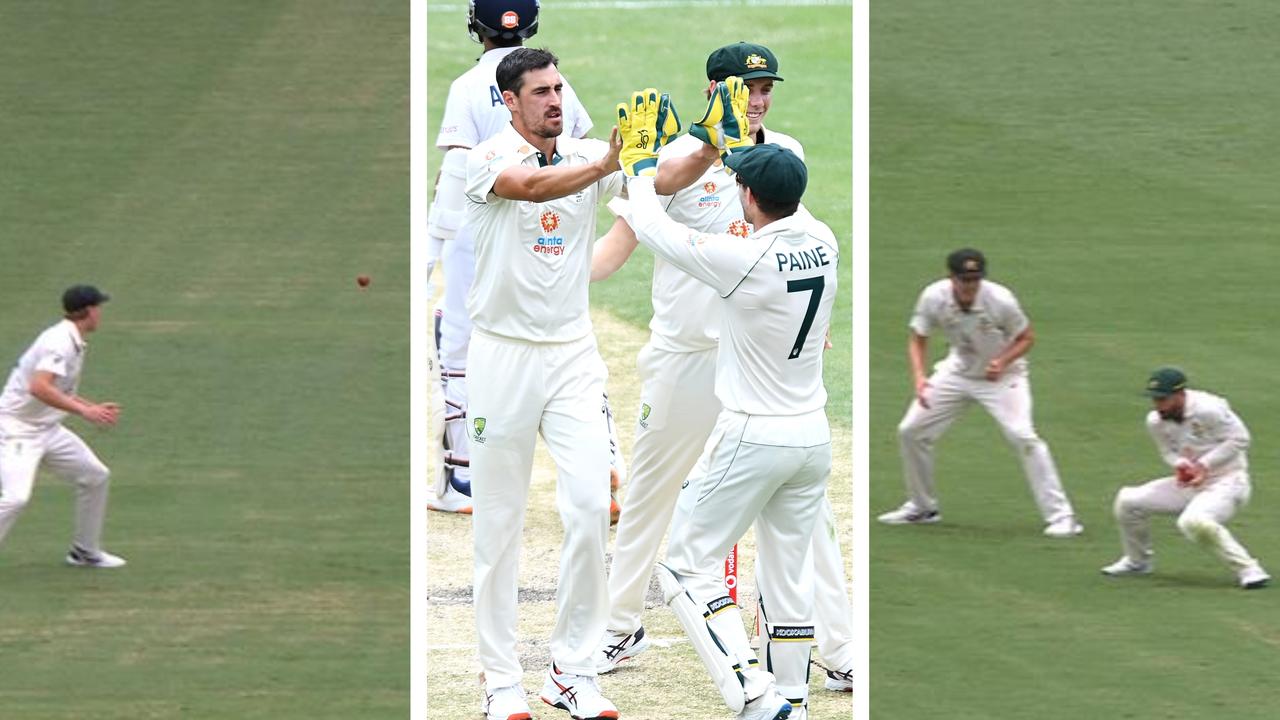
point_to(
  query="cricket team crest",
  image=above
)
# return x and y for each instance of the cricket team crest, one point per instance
(755, 61)
(739, 228)
(645, 409)
(478, 425)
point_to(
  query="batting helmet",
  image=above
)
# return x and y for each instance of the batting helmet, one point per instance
(503, 19)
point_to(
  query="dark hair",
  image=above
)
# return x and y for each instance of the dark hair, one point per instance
(510, 73)
(773, 208)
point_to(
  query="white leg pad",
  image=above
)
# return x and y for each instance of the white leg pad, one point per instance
(725, 670)
(786, 650)
(448, 209)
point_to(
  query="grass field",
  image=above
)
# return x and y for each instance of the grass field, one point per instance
(1116, 162)
(604, 55)
(224, 170)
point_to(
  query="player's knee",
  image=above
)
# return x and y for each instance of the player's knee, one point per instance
(1197, 527)
(1023, 440)
(909, 432)
(94, 476)
(1126, 501)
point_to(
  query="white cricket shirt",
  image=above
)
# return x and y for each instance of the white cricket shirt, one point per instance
(475, 112)
(59, 350)
(1210, 432)
(686, 315)
(777, 286)
(975, 335)
(533, 260)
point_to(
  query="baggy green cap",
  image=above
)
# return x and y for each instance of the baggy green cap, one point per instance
(1166, 381)
(746, 60)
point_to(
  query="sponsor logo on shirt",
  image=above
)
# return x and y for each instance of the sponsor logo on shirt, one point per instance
(549, 244)
(510, 19)
(549, 221)
(478, 425)
(708, 187)
(710, 200)
(741, 228)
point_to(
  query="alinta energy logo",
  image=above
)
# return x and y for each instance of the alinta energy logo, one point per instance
(740, 228)
(549, 244)
(708, 187)
(709, 198)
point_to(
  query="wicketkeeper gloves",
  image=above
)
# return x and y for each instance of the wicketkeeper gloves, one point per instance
(646, 123)
(724, 126)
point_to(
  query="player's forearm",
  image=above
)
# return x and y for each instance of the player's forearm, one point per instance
(917, 347)
(655, 230)
(1230, 450)
(679, 173)
(46, 392)
(551, 182)
(1019, 347)
(612, 250)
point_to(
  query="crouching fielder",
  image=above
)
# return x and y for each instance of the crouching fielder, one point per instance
(1205, 442)
(769, 456)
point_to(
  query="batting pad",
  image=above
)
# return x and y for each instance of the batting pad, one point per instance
(786, 650)
(724, 668)
(447, 209)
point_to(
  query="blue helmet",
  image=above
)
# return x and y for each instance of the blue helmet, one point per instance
(503, 19)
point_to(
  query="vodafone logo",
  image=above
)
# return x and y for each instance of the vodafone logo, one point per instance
(510, 20)
(550, 221)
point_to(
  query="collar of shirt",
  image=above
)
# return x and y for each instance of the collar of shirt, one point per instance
(76, 338)
(790, 223)
(514, 143)
(494, 56)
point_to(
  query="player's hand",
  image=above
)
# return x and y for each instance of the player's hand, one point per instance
(101, 413)
(922, 392)
(724, 126)
(609, 163)
(1190, 473)
(995, 369)
(638, 126)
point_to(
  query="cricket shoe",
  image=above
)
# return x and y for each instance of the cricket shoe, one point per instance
(617, 647)
(79, 557)
(839, 680)
(1063, 528)
(1125, 566)
(909, 514)
(452, 502)
(1254, 577)
(615, 509)
(577, 695)
(505, 703)
(769, 706)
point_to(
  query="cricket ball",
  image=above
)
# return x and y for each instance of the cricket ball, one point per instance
(362, 280)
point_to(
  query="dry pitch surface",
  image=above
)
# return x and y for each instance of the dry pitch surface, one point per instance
(668, 681)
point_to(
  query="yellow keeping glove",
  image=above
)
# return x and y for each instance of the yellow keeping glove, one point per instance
(724, 126)
(645, 124)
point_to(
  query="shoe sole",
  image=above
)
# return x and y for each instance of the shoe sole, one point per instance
(608, 715)
(1256, 584)
(837, 686)
(928, 520)
(464, 510)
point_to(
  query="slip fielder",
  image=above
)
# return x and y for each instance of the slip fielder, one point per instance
(769, 456)
(39, 394)
(534, 369)
(989, 335)
(1205, 442)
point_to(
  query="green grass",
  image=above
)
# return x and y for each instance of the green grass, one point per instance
(224, 170)
(604, 64)
(1115, 162)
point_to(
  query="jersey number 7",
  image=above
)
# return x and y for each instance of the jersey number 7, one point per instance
(814, 286)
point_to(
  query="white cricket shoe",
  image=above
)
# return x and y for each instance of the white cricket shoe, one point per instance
(1063, 528)
(79, 557)
(577, 695)
(1125, 566)
(452, 502)
(505, 703)
(616, 647)
(1254, 577)
(769, 706)
(839, 680)
(909, 514)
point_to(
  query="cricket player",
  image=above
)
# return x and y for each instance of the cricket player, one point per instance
(678, 405)
(769, 456)
(989, 335)
(1204, 441)
(40, 393)
(474, 111)
(534, 368)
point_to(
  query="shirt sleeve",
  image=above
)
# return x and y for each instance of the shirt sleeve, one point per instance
(922, 318)
(1015, 320)
(1234, 437)
(721, 261)
(484, 165)
(457, 128)
(53, 360)
(1164, 444)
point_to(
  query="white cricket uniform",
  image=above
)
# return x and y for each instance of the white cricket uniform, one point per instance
(474, 112)
(678, 409)
(32, 436)
(769, 455)
(1211, 433)
(975, 337)
(534, 368)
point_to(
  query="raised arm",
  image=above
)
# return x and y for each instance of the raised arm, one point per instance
(519, 182)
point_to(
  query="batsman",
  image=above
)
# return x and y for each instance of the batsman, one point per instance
(769, 456)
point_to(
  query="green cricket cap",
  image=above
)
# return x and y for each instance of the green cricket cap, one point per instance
(746, 60)
(1166, 381)
(771, 171)
(967, 262)
(79, 297)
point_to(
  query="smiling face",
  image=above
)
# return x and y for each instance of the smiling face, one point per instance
(758, 104)
(537, 108)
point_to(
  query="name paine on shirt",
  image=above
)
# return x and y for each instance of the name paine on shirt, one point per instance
(803, 260)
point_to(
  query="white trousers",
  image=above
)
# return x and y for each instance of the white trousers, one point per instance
(678, 408)
(1008, 400)
(770, 471)
(63, 452)
(1202, 515)
(518, 391)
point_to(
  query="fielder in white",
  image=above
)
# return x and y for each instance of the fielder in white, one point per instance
(40, 393)
(988, 336)
(535, 369)
(769, 456)
(473, 112)
(678, 406)
(1199, 436)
